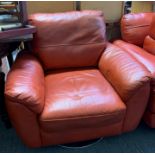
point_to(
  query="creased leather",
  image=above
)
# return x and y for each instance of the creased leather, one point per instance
(79, 93)
(149, 45)
(130, 80)
(148, 61)
(123, 71)
(145, 57)
(25, 82)
(149, 42)
(142, 56)
(135, 27)
(53, 102)
(152, 27)
(71, 39)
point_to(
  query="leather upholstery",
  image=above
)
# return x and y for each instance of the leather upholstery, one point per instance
(82, 92)
(136, 107)
(62, 94)
(135, 73)
(75, 36)
(82, 100)
(25, 122)
(152, 27)
(80, 133)
(150, 119)
(151, 105)
(149, 42)
(149, 45)
(130, 86)
(146, 58)
(135, 27)
(25, 82)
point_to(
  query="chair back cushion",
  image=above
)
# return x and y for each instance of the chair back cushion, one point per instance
(152, 27)
(135, 27)
(71, 39)
(149, 42)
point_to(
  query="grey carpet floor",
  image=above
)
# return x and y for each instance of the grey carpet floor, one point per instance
(140, 140)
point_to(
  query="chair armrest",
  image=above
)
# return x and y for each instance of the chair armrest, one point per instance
(124, 73)
(25, 82)
(142, 56)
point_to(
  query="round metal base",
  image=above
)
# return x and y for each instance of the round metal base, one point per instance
(81, 144)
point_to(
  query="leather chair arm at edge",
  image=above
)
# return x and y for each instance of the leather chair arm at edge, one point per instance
(124, 73)
(131, 81)
(25, 82)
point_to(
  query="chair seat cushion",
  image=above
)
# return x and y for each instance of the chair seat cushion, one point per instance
(79, 98)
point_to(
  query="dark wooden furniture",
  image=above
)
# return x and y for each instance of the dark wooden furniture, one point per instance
(10, 40)
(16, 8)
(13, 34)
(13, 38)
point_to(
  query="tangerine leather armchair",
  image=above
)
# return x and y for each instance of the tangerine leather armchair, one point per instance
(74, 86)
(138, 34)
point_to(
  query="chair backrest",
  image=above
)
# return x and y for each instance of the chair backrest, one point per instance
(71, 39)
(152, 28)
(149, 42)
(135, 27)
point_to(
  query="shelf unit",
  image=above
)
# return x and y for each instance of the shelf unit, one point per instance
(15, 9)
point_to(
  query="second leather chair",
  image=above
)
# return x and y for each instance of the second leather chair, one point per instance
(139, 29)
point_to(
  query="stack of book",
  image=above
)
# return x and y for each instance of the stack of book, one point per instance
(9, 15)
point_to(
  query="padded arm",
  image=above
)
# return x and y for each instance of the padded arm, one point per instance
(135, 27)
(130, 79)
(25, 82)
(123, 71)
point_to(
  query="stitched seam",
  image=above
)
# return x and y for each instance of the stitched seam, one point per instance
(132, 27)
(71, 44)
(82, 117)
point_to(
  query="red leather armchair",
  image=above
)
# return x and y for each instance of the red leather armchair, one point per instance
(74, 85)
(138, 34)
